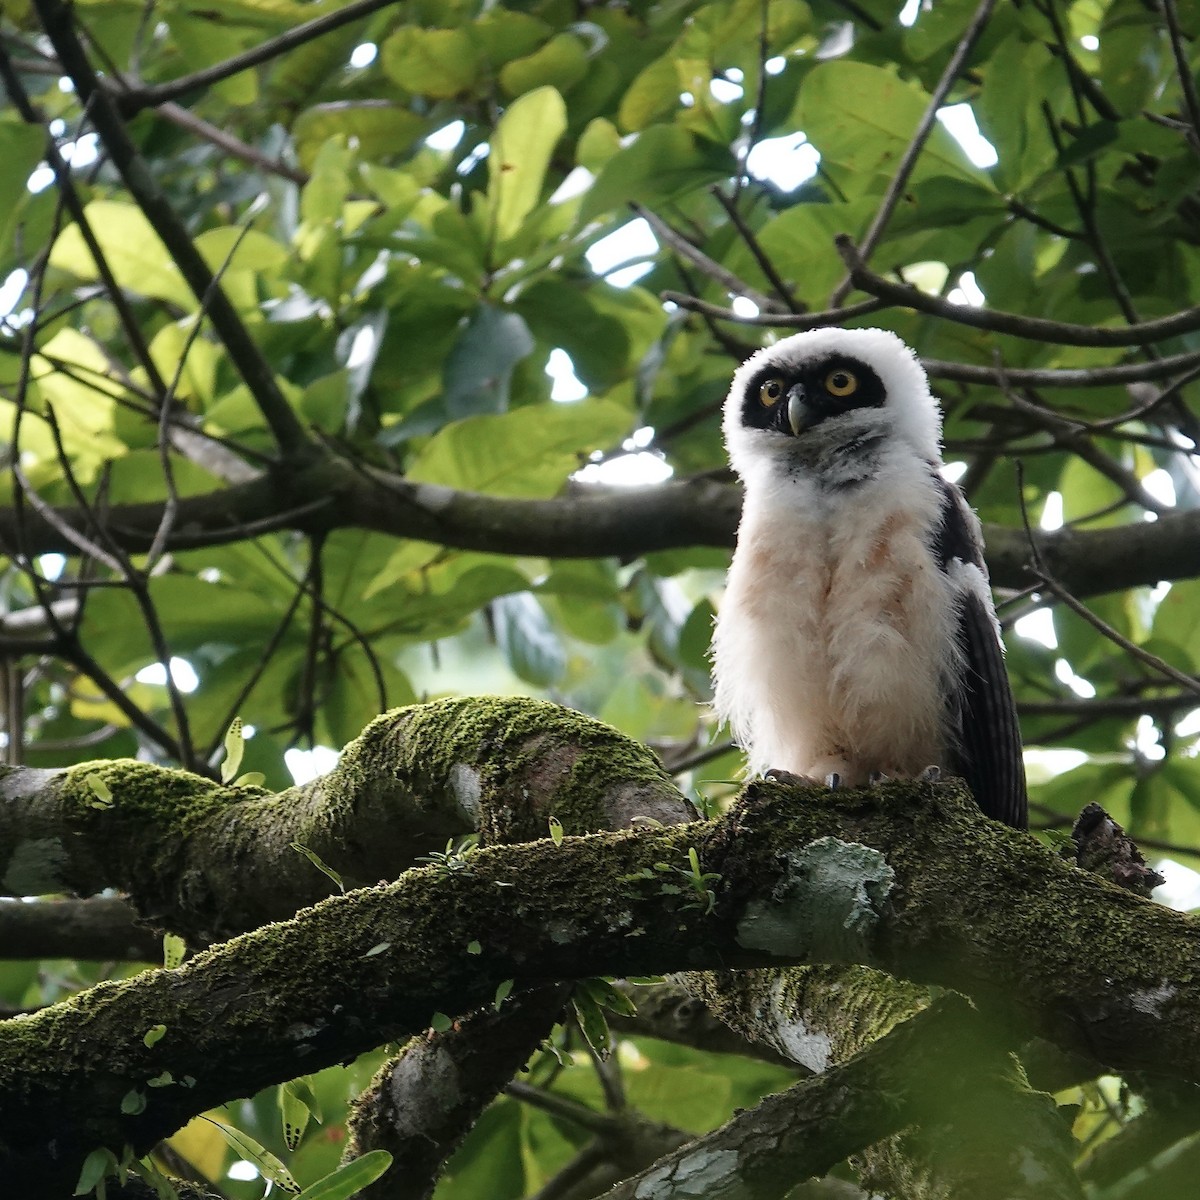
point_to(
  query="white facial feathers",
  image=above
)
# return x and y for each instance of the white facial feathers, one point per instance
(909, 412)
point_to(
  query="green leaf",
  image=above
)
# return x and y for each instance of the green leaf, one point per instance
(561, 63)
(323, 196)
(556, 830)
(592, 1022)
(133, 1102)
(663, 162)
(294, 1110)
(235, 745)
(20, 149)
(377, 129)
(528, 452)
(138, 260)
(653, 93)
(153, 1035)
(474, 948)
(520, 153)
(431, 62)
(440, 1022)
(502, 994)
(104, 796)
(267, 1163)
(480, 365)
(99, 1164)
(862, 117)
(564, 314)
(350, 1178)
(529, 639)
(174, 948)
(321, 866)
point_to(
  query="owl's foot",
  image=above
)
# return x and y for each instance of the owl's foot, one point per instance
(931, 774)
(779, 775)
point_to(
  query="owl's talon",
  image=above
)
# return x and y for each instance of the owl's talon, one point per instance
(790, 778)
(931, 774)
(876, 778)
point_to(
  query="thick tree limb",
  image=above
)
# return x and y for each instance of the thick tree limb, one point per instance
(421, 1104)
(590, 522)
(99, 928)
(811, 1127)
(209, 861)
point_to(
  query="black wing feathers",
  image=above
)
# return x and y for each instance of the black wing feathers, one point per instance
(988, 753)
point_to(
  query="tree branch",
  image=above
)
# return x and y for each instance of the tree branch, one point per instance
(816, 1124)
(371, 965)
(1038, 329)
(587, 522)
(207, 860)
(912, 152)
(289, 433)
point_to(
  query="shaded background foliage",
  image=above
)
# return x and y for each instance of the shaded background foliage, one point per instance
(408, 212)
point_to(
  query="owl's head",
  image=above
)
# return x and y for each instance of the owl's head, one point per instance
(826, 388)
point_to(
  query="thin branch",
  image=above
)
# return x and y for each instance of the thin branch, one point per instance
(1099, 624)
(1033, 328)
(707, 266)
(1064, 377)
(564, 1108)
(760, 256)
(760, 99)
(289, 433)
(775, 320)
(132, 100)
(1101, 707)
(186, 119)
(1183, 71)
(70, 197)
(908, 161)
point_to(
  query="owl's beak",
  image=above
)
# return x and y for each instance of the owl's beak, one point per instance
(800, 414)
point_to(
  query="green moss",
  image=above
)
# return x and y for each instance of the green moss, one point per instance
(144, 794)
(532, 760)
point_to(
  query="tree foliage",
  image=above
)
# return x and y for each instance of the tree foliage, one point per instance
(358, 354)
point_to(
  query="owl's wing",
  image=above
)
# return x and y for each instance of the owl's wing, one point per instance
(983, 714)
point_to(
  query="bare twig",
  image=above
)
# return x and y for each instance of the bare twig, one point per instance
(760, 100)
(1183, 71)
(289, 433)
(1034, 328)
(775, 320)
(133, 100)
(74, 205)
(707, 266)
(760, 256)
(186, 119)
(908, 161)
(1081, 610)
(1067, 377)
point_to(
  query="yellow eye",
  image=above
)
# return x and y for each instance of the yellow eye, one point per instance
(841, 383)
(770, 392)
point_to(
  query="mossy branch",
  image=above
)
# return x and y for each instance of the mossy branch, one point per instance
(965, 1078)
(908, 877)
(208, 861)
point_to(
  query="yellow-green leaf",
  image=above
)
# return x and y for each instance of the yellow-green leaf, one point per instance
(520, 152)
(527, 452)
